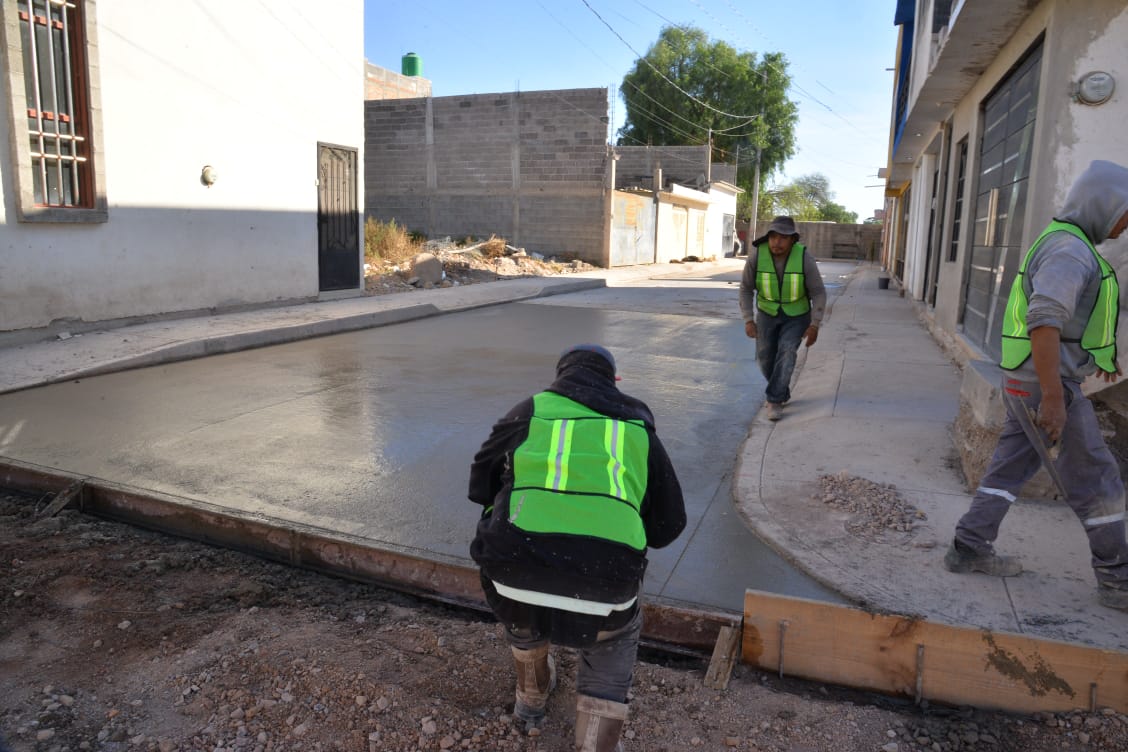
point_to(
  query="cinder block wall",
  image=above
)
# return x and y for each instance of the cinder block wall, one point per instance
(831, 240)
(381, 83)
(527, 166)
(680, 164)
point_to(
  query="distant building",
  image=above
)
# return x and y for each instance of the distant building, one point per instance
(381, 83)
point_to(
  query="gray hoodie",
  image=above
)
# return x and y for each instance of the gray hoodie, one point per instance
(1063, 277)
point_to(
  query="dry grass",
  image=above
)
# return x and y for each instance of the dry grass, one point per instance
(389, 242)
(494, 247)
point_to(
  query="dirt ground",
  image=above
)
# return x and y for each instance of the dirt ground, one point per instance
(116, 638)
(466, 266)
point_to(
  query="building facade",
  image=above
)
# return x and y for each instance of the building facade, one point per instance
(172, 163)
(999, 105)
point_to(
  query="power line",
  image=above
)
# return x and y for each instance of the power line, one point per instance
(706, 105)
(652, 116)
(792, 83)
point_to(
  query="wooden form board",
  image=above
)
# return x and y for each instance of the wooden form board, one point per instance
(907, 656)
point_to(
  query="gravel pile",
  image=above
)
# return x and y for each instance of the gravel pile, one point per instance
(875, 509)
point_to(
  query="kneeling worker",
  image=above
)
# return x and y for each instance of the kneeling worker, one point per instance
(575, 486)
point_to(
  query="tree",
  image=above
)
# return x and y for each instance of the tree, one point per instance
(688, 90)
(807, 199)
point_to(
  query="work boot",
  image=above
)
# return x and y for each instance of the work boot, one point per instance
(962, 559)
(536, 678)
(775, 410)
(1112, 596)
(598, 724)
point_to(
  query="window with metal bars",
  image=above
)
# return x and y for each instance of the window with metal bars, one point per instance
(54, 84)
(50, 47)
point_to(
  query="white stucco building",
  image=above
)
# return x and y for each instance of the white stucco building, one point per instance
(182, 159)
(999, 105)
(990, 127)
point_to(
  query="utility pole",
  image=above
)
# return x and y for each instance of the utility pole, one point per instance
(709, 159)
(755, 196)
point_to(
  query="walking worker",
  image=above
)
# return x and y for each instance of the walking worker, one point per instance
(1059, 328)
(783, 299)
(575, 487)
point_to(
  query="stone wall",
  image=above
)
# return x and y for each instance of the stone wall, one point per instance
(527, 166)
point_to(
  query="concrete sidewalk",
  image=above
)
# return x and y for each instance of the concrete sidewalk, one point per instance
(875, 399)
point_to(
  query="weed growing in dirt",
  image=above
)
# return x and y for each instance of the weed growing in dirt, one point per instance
(389, 242)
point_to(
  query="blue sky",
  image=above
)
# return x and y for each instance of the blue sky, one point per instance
(838, 53)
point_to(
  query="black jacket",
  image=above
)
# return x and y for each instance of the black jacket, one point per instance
(568, 565)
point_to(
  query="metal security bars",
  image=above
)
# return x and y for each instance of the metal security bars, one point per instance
(54, 70)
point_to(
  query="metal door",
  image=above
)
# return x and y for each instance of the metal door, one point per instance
(1000, 208)
(632, 229)
(338, 221)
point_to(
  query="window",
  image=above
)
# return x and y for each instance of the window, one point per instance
(957, 210)
(941, 14)
(49, 47)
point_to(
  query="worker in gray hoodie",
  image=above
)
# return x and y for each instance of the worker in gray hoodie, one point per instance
(1059, 328)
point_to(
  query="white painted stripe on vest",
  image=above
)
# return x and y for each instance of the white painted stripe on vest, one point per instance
(1106, 520)
(997, 492)
(562, 602)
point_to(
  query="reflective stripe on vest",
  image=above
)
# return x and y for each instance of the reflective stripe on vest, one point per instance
(791, 295)
(1099, 337)
(580, 473)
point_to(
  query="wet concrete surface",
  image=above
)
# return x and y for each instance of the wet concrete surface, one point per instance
(371, 433)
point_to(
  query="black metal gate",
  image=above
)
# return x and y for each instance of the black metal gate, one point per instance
(338, 221)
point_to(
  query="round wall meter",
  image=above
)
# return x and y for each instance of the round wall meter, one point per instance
(1095, 87)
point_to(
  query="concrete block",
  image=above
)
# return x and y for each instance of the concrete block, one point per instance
(980, 390)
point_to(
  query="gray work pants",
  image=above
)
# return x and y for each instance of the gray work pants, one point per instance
(606, 668)
(1088, 470)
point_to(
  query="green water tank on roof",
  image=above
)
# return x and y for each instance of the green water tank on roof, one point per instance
(412, 65)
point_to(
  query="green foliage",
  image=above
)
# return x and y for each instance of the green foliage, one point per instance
(807, 199)
(388, 242)
(732, 82)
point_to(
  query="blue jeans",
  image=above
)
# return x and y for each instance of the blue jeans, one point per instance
(777, 344)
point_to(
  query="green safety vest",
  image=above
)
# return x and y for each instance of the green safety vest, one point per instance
(1099, 337)
(791, 295)
(580, 473)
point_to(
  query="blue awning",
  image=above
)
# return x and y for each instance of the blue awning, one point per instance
(906, 10)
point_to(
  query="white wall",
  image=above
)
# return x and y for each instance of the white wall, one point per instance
(247, 87)
(722, 202)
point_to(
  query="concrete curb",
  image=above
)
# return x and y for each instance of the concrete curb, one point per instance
(196, 338)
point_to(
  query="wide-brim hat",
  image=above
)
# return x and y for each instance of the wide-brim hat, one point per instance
(782, 225)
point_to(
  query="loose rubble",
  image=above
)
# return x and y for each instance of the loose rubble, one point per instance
(457, 266)
(116, 638)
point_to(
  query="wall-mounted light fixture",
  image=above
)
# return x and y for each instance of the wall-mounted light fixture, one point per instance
(208, 175)
(1095, 87)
